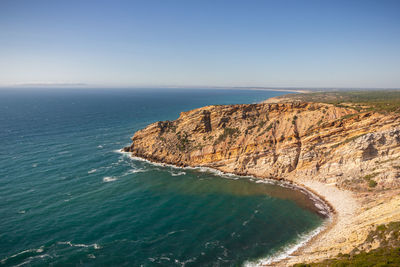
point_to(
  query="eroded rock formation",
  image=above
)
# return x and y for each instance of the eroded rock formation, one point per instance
(281, 140)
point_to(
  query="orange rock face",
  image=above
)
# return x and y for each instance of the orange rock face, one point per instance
(280, 140)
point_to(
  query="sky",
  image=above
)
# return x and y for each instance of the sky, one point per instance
(252, 43)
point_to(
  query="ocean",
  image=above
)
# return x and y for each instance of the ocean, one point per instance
(68, 197)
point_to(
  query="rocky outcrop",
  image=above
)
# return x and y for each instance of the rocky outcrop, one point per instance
(357, 151)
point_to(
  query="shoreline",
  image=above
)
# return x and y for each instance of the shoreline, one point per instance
(301, 91)
(354, 210)
(289, 255)
(322, 245)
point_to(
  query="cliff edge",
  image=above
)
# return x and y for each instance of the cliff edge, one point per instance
(348, 154)
(281, 140)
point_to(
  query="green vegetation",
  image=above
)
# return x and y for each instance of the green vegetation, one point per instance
(370, 176)
(386, 234)
(372, 183)
(294, 119)
(369, 179)
(387, 254)
(183, 141)
(227, 132)
(377, 257)
(366, 100)
(348, 116)
(171, 127)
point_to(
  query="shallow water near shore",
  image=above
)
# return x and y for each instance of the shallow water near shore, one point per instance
(66, 196)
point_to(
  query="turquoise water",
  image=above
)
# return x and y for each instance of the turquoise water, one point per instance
(68, 198)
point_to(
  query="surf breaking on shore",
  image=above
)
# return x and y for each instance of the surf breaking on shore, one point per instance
(324, 208)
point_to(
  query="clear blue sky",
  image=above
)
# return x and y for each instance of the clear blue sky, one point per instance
(213, 43)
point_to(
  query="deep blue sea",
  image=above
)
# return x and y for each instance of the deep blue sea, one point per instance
(67, 197)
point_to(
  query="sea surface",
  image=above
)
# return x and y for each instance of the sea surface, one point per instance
(68, 197)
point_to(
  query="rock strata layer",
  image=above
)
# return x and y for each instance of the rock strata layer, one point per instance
(293, 141)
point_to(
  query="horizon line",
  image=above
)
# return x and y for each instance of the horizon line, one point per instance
(110, 86)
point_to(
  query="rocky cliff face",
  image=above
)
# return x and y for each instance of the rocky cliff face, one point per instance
(331, 144)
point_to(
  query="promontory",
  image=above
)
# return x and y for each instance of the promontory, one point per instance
(343, 146)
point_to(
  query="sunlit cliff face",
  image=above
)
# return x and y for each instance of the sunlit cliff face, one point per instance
(287, 140)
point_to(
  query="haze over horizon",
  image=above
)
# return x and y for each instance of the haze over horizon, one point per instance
(352, 44)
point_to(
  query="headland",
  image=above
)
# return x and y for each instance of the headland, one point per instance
(344, 146)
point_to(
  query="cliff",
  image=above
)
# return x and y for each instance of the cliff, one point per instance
(347, 153)
(297, 140)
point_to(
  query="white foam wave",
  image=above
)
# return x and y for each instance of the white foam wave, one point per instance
(131, 171)
(92, 171)
(120, 151)
(32, 258)
(177, 173)
(183, 263)
(69, 243)
(109, 179)
(201, 169)
(288, 250)
(321, 205)
(32, 250)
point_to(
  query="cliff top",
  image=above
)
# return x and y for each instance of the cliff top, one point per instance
(382, 101)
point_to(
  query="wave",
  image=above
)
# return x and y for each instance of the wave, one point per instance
(177, 173)
(32, 258)
(322, 207)
(131, 171)
(32, 250)
(69, 243)
(201, 169)
(109, 179)
(288, 250)
(30, 253)
(92, 171)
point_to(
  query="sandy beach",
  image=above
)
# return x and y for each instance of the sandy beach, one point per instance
(330, 241)
(354, 216)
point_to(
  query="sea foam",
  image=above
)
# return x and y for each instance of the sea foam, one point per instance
(109, 179)
(288, 250)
